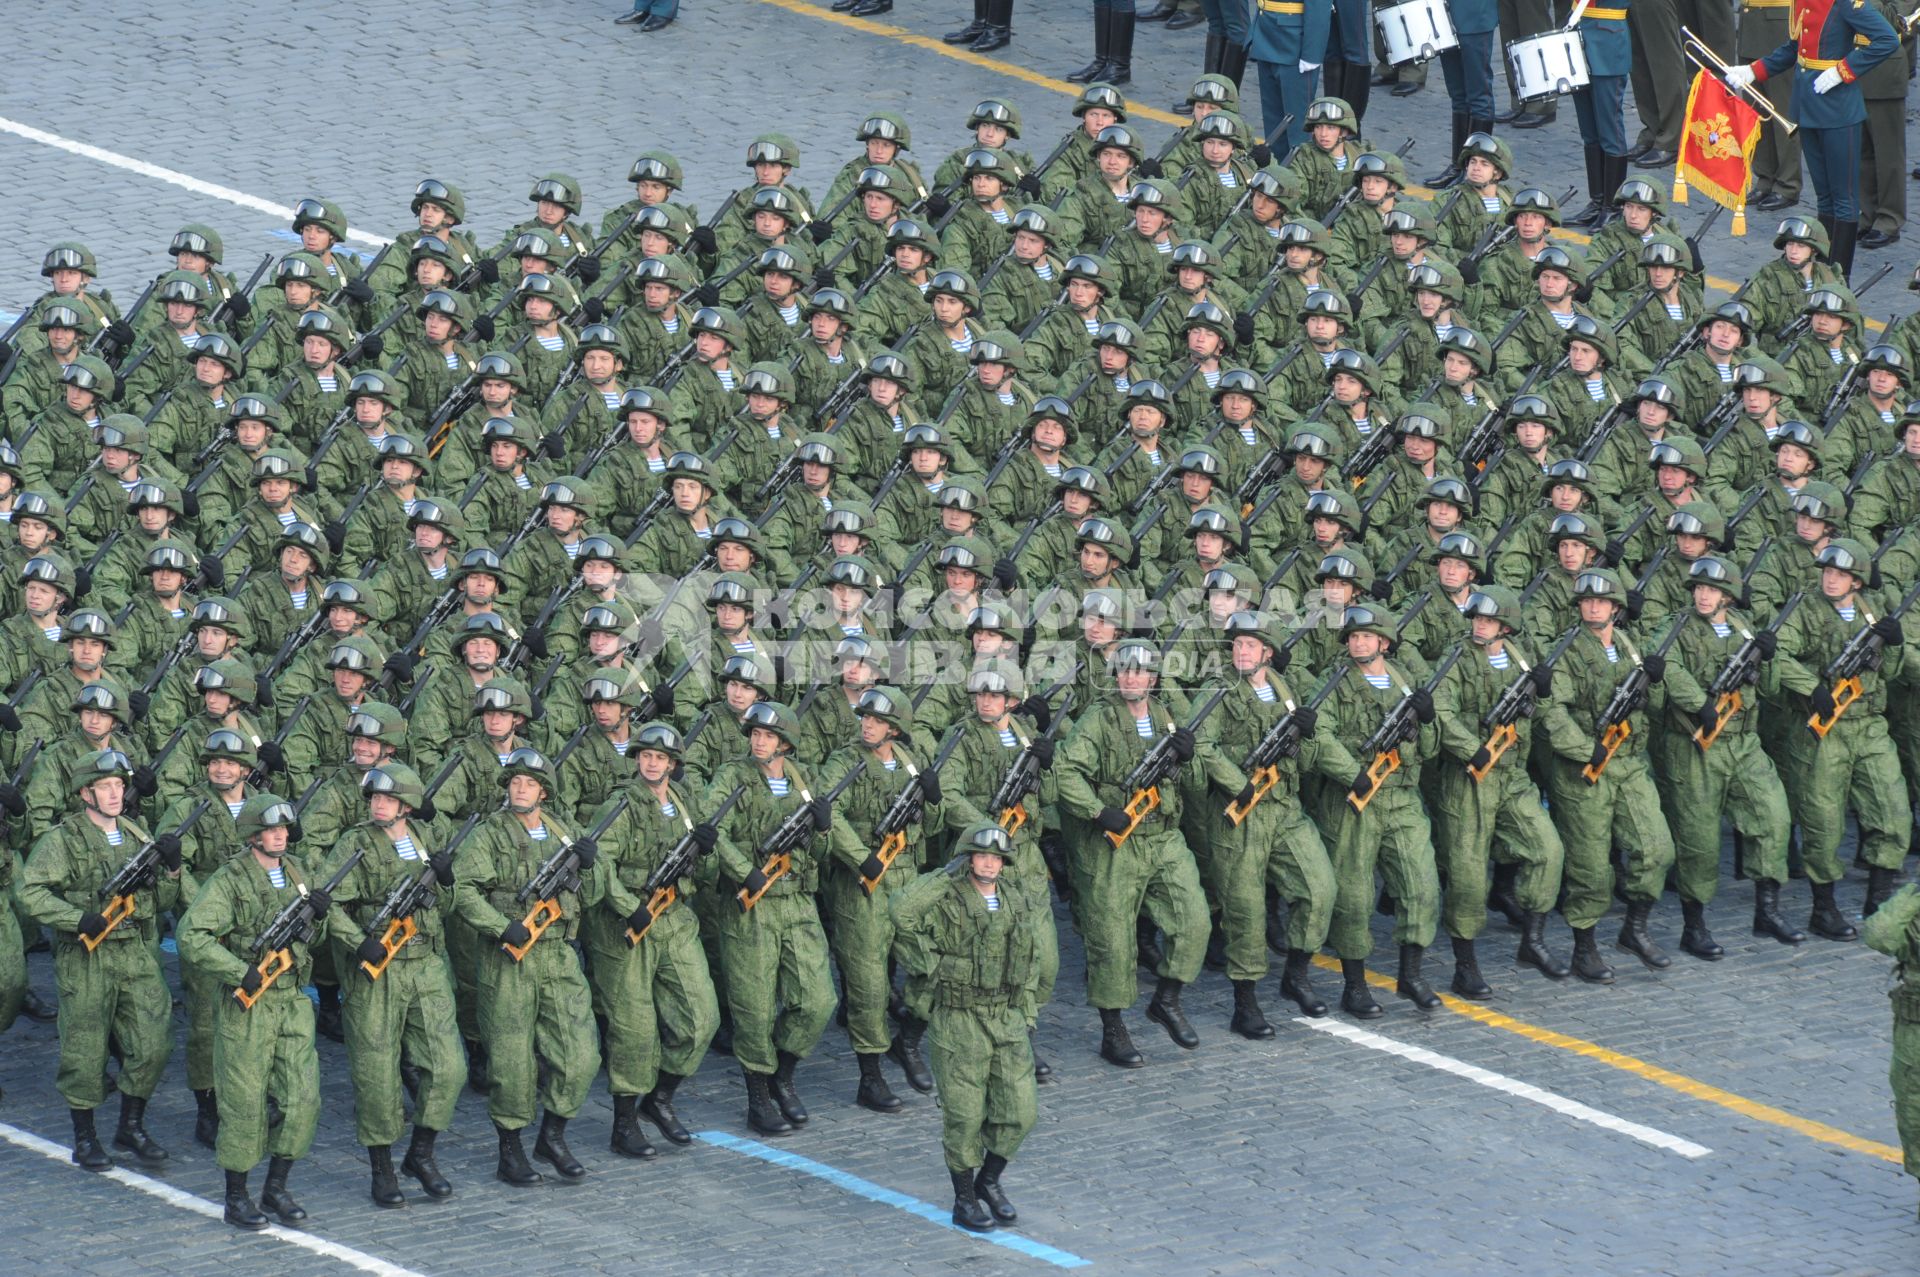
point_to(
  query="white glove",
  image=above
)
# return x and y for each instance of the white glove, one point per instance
(1739, 77)
(1827, 80)
(1308, 68)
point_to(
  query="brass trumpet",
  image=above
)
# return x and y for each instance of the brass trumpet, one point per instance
(1706, 59)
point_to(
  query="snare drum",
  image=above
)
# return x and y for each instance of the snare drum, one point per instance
(1415, 31)
(1547, 66)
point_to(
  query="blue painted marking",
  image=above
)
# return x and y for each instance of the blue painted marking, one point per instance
(287, 233)
(888, 1197)
(169, 945)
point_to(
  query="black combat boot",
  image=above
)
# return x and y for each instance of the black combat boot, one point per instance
(999, 32)
(87, 1153)
(1147, 944)
(386, 1185)
(1827, 921)
(784, 1093)
(1502, 896)
(1165, 1011)
(971, 32)
(1102, 39)
(551, 1146)
(1880, 883)
(1587, 962)
(763, 1115)
(874, 1092)
(419, 1163)
(1637, 940)
(657, 1107)
(905, 1052)
(1120, 53)
(38, 1009)
(1042, 1071)
(206, 1118)
(514, 1168)
(1533, 951)
(1296, 982)
(968, 1213)
(1248, 1020)
(1843, 238)
(241, 1212)
(1116, 1045)
(1694, 936)
(1467, 980)
(132, 1134)
(987, 1185)
(1767, 918)
(1356, 999)
(1411, 985)
(628, 1139)
(274, 1195)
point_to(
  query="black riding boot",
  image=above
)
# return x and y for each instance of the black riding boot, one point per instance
(972, 31)
(1451, 174)
(1102, 39)
(999, 32)
(1120, 48)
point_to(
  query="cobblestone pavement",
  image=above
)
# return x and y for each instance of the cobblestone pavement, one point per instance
(1310, 1150)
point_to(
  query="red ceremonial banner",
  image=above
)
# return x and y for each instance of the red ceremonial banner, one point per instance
(1716, 147)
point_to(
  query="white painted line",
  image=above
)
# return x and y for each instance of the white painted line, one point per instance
(201, 1206)
(1509, 1086)
(172, 176)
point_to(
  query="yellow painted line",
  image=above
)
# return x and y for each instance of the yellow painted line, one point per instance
(1135, 110)
(1693, 1087)
(887, 31)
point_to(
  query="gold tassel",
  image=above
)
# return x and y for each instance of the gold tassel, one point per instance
(1740, 218)
(1679, 185)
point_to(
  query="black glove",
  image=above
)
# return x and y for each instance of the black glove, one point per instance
(1542, 676)
(484, 327)
(371, 951)
(820, 230)
(554, 446)
(516, 935)
(93, 925)
(1616, 550)
(271, 757)
(1707, 717)
(400, 665)
(1036, 708)
(213, 571)
(1245, 795)
(1005, 574)
(190, 504)
(1281, 659)
(702, 240)
(1309, 720)
(239, 306)
(82, 581)
(251, 981)
(318, 902)
(1380, 589)
(488, 269)
(1043, 752)
(871, 868)
(1029, 186)
(938, 206)
(1656, 666)
(11, 799)
(372, 346)
(1182, 739)
(1889, 631)
(1469, 271)
(1261, 155)
(1112, 819)
(1422, 704)
(539, 707)
(1243, 329)
(705, 836)
(822, 277)
(1362, 785)
(358, 291)
(1149, 168)
(1636, 602)
(585, 852)
(929, 787)
(121, 334)
(336, 532)
(145, 783)
(1481, 760)
(1822, 701)
(426, 811)
(594, 309)
(705, 295)
(663, 701)
(9, 717)
(1766, 642)
(1599, 755)
(586, 268)
(822, 814)
(263, 696)
(535, 641)
(167, 847)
